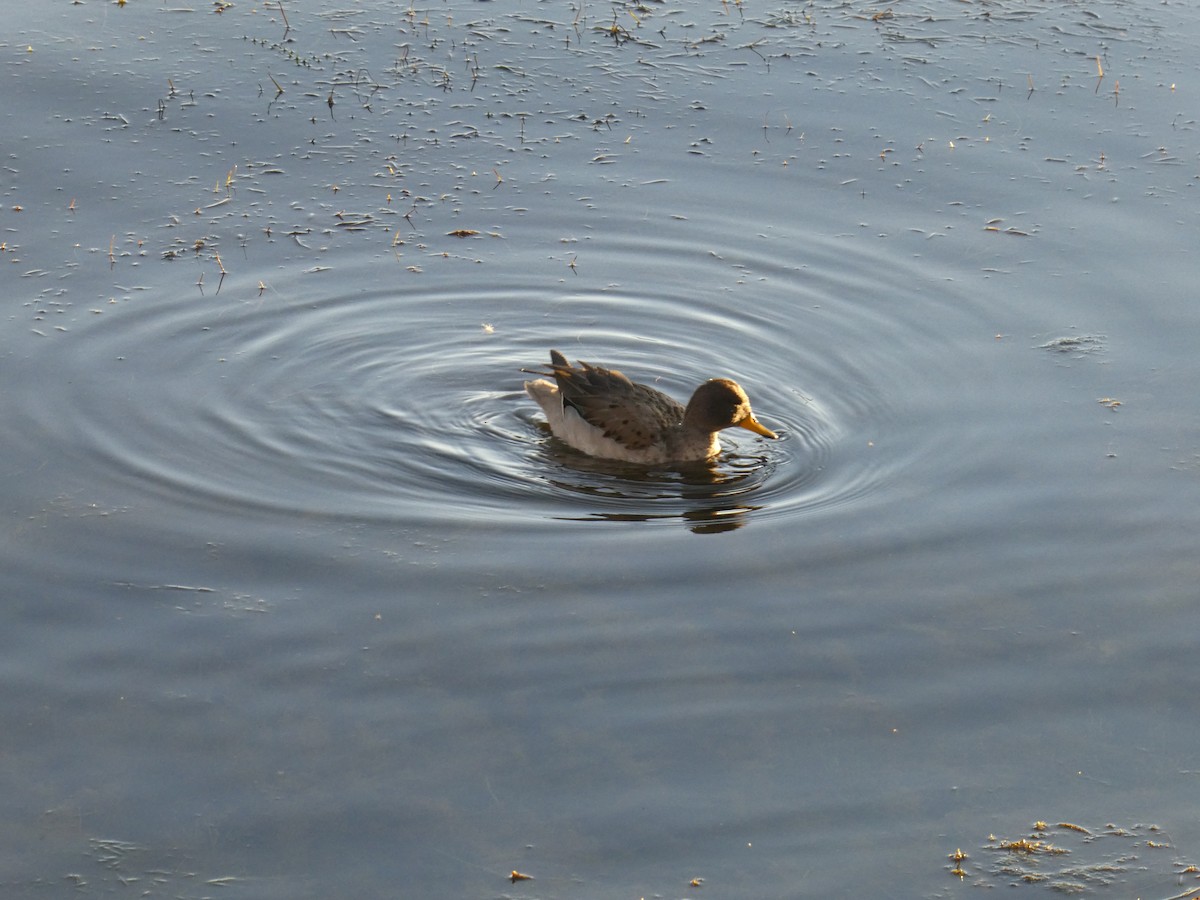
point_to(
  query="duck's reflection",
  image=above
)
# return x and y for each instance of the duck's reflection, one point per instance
(710, 497)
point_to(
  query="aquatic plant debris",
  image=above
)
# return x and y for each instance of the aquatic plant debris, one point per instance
(1070, 858)
(1076, 344)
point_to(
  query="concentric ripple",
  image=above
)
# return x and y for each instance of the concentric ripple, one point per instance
(408, 407)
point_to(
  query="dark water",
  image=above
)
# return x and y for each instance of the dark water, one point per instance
(301, 600)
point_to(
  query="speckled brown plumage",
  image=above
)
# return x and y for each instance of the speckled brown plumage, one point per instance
(602, 412)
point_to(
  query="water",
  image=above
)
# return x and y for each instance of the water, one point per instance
(302, 600)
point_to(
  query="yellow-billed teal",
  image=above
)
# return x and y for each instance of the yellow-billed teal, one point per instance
(602, 413)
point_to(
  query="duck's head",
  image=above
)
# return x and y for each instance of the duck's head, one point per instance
(721, 403)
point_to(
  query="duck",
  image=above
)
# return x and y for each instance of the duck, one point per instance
(600, 412)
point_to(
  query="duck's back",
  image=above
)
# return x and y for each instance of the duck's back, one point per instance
(633, 415)
(603, 413)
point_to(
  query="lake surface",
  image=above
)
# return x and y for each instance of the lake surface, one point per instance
(300, 599)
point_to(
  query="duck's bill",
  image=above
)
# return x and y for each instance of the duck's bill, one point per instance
(752, 424)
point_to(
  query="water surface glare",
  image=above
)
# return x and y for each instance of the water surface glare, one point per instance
(302, 599)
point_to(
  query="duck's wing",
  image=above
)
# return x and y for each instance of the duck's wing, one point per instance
(634, 415)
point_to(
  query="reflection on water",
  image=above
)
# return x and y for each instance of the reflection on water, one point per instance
(710, 497)
(302, 600)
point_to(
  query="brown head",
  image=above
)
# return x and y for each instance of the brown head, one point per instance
(721, 403)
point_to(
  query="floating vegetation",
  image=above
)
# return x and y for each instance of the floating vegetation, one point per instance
(1074, 859)
(1076, 345)
(995, 225)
